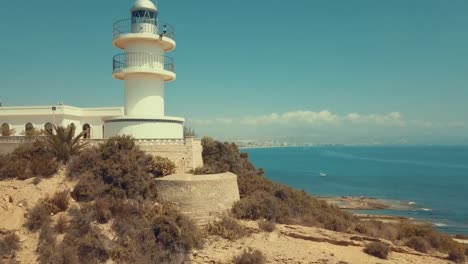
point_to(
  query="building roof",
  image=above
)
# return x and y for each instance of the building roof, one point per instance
(144, 5)
(60, 110)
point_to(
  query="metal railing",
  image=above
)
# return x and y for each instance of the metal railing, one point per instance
(143, 60)
(126, 26)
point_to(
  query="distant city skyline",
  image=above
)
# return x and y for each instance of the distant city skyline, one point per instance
(323, 72)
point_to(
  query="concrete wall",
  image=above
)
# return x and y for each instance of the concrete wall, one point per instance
(202, 197)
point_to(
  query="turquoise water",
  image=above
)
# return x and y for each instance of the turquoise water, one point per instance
(434, 179)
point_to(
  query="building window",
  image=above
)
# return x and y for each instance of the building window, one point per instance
(86, 131)
(49, 127)
(6, 131)
(144, 16)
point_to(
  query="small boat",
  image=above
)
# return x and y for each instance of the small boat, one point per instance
(323, 174)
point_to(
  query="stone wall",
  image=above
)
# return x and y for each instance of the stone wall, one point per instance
(8, 147)
(202, 197)
(185, 153)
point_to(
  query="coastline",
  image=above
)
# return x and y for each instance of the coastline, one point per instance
(370, 204)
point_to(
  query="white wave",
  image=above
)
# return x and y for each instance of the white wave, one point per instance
(426, 209)
(440, 224)
(411, 203)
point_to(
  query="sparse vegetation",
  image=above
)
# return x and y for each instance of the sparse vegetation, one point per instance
(268, 226)
(38, 216)
(161, 167)
(250, 256)
(59, 202)
(227, 227)
(457, 254)
(264, 199)
(28, 161)
(9, 244)
(419, 244)
(377, 249)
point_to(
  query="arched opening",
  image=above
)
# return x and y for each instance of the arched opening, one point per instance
(6, 131)
(49, 127)
(86, 131)
(29, 130)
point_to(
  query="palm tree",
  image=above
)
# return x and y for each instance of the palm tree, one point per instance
(63, 143)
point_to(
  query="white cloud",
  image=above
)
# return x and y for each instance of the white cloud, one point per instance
(223, 121)
(325, 117)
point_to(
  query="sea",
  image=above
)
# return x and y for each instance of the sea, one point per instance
(433, 180)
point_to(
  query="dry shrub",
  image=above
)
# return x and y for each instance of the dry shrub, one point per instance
(419, 244)
(9, 244)
(38, 216)
(59, 202)
(47, 243)
(376, 228)
(268, 226)
(62, 224)
(377, 249)
(438, 241)
(44, 166)
(93, 248)
(250, 256)
(29, 161)
(102, 210)
(120, 169)
(88, 188)
(140, 226)
(457, 254)
(227, 227)
(264, 199)
(86, 161)
(161, 167)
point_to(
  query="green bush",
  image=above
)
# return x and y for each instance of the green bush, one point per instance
(419, 244)
(227, 227)
(377, 249)
(250, 256)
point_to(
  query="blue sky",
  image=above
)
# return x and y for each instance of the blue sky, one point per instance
(329, 71)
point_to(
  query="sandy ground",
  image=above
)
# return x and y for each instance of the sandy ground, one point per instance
(297, 244)
(16, 197)
(287, 244)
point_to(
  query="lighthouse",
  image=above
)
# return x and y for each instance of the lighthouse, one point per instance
(144, 68)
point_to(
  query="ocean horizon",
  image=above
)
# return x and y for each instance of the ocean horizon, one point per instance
(433, 180)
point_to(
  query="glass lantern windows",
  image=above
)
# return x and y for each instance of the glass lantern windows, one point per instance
(144, 16)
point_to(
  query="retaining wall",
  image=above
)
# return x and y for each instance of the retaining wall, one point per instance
(202, 197)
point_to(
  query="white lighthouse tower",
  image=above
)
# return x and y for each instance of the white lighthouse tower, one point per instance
(144, 68)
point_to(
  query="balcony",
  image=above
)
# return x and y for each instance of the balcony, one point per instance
(149, 63)
(127, 29)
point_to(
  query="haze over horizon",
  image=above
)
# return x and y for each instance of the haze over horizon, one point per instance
(354, 72)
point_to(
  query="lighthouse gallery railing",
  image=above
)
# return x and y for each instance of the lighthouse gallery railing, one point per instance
(126, 26)
(143, 60)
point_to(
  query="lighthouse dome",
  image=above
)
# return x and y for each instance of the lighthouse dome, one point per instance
(144, 5)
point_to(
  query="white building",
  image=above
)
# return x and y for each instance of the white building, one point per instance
(142, 66)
